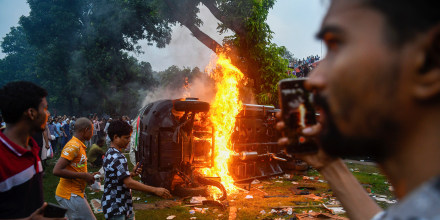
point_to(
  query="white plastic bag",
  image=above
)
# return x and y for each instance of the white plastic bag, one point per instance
(49, 152)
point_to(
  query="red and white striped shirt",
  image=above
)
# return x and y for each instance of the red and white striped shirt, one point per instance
(21, 185)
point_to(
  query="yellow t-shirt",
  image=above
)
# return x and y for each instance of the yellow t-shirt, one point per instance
(75, 152)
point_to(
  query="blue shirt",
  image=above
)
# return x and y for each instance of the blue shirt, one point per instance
(58, 128)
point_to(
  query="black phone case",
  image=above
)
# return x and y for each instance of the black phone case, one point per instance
(54, 211)
(291, 94)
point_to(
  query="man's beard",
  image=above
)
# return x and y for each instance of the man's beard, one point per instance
(336, 144)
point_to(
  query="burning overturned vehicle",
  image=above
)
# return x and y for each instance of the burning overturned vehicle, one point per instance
(182, 147)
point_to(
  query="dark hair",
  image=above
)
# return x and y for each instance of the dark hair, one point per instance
(17, 97)
(118, 128)
(407, 18)
(100, 142)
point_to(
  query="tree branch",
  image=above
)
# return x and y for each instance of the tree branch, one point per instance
(204, 38)
(234, 24)
(200, 35)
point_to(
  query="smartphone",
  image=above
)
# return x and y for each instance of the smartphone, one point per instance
(54, 211)
(297, 113)
(141, 163)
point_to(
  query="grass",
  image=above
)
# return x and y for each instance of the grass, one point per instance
(256, 208)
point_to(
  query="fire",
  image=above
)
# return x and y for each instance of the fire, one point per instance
(302, 115)
(224, 109)
(186, 86)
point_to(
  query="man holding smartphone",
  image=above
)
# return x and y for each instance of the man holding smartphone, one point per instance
(118, 183)
(24, 109)
(378, 94)
(72, 168)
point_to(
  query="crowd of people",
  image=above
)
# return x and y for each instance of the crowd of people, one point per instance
(377, 89)
(302, 67)
(29, 132)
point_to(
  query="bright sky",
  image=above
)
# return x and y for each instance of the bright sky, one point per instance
(294, 23)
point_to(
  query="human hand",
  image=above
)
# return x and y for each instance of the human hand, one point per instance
(162, 192)
(137, 170)
(318, 159)
(90, 178)
(38, 214)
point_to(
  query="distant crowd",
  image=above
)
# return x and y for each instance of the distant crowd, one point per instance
(302, 67)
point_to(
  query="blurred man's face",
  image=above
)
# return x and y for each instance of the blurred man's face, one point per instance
(357, 82)
(43, 115)
(88, 134)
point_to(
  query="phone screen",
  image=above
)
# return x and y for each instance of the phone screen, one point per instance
(297, 112)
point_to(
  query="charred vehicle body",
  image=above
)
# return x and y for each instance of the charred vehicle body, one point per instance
(174, 138)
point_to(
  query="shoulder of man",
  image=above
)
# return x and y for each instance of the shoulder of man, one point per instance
(71, 150)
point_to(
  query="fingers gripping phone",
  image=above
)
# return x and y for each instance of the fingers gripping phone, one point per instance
(54, 211)
(297, 113)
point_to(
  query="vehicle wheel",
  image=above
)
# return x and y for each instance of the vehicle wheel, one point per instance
(181, 191)
(191, 106)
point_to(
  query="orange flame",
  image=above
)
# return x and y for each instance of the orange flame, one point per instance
(224, 109)
(302, 115)
(186, 86)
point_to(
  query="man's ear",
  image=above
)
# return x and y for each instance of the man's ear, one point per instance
(427, 82)
(31, 113)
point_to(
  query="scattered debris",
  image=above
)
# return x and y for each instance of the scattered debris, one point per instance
(192, 212)
(308, 178)
(197, 200)
(335, 210)
(382, 198)
(255, 181)
(279, 181)
(316, 215)
(295, 183)
(192, 218)
(214, 203)
(201, 210)
(287, 176)
(134, 198)
(96, 204)
(313, 196)
(289, 211)
(171, 217)
(249, 197)
(263, 212)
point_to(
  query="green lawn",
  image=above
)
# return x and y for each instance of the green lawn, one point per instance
(257, 208)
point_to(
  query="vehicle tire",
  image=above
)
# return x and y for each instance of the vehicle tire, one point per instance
(181, 191)
(191, 106)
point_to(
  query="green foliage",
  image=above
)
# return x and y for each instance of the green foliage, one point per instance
(175, 77)
(78, 51)
(261, 60)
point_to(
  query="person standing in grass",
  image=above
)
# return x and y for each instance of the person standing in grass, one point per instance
(24, 108)
(116, 200)
(72, 168)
